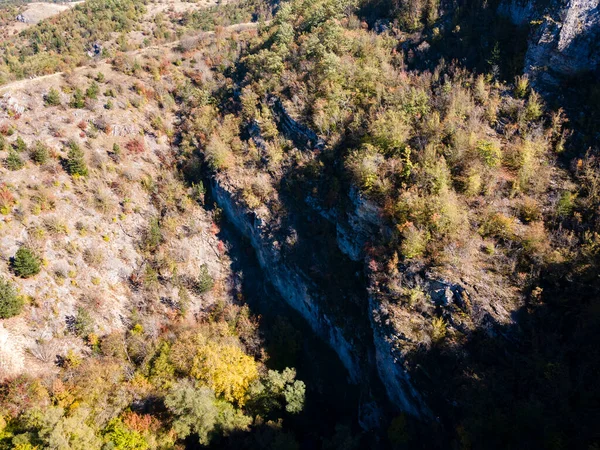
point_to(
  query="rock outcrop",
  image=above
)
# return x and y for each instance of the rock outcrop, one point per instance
(349, 338)
(566, 44)
(565, 40)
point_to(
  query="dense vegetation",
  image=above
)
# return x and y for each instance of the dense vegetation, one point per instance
(137, 393)
(63, 43)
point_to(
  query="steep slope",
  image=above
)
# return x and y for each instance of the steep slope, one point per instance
(90, 231)
(417, 220)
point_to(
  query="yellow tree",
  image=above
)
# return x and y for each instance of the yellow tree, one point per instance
(226, 369)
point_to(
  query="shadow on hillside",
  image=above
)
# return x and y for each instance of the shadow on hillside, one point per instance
(533, 384)
(471, 32)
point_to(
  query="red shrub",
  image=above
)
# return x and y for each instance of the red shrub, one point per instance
(140, 422)
(136, 146)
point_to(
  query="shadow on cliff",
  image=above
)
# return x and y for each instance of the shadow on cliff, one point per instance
(531, 384)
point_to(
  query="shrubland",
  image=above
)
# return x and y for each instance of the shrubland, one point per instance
(142, 346)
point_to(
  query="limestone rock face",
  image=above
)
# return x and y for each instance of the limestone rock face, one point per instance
(565, 42)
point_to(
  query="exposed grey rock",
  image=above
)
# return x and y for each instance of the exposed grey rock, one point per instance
(566, 41)
(301, 135)
(566, 44)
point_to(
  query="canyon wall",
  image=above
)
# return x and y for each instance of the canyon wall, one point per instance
(342, 334)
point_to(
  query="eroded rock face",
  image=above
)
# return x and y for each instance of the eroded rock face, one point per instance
(565, 42)
(295, 287)
(342, 335)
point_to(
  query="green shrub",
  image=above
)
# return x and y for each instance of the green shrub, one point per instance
(439, 329)
(11, 304)
(414, 242)
(75, 163)
(78, 99)
(20, 145)
(533, 109)
(154, 236)
(14, 161)
(39, 153)
(490, 153)
(565, 204)
(84, 325)
(92, 90)
(521, 86)
(52, 98)
(500, 226)
(26, 263)
(116, 152)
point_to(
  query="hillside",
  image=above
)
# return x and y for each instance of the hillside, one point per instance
(307, 224)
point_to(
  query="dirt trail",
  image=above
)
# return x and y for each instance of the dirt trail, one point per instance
(22, 83)
(238, 27)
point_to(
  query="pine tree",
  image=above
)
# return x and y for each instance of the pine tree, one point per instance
(14, 161)
(52, 98)
(76, 165)
(92, 91)
(26, 263)
(20, 145)
(39, 153)
(11, 304)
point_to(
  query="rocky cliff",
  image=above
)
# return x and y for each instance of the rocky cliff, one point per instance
(349, 337)
(565, 40)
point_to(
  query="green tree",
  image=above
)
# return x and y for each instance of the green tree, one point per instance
(72, 432)
(205, 282)
(199, 412)
(13, 161)
(122, 438)
(11, 303)
(26, 263)
(78, 99)
(75, 163)
(52, 98)
(162, 372)
(39, 153)
(195, 411)
(276, 391)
